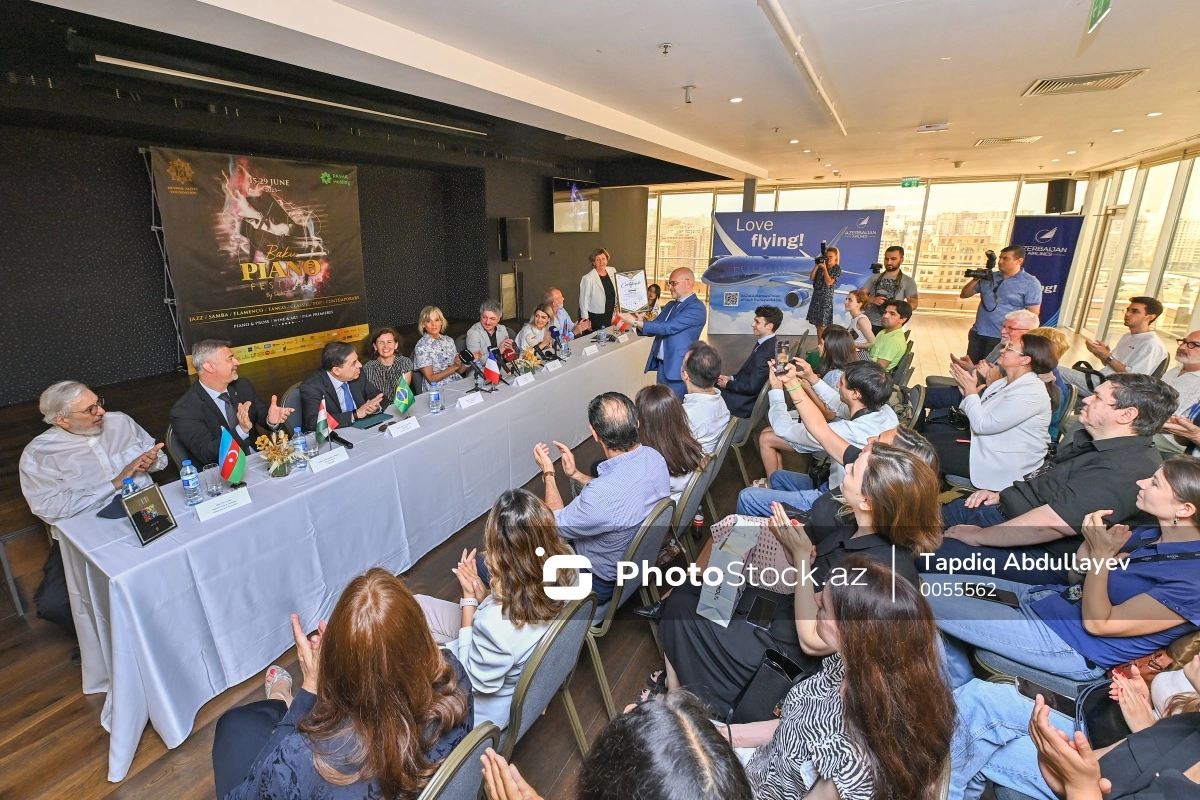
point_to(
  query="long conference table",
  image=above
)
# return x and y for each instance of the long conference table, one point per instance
(167, 627)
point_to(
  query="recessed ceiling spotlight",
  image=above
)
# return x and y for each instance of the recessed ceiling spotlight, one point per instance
(808, 151)
(945, 58)
(735, 99)
(1118, 130)
(1056, 160)
(1070, 152)
(837, 172)
(1154, 114)
(794, 141)
(829, 165)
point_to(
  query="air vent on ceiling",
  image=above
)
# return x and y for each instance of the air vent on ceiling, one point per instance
(1006, 140)
(1096, 82)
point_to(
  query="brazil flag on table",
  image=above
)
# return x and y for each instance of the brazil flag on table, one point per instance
(404, 396)
(233, 460)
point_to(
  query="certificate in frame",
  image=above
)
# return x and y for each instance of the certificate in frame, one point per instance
(632, 294)
(149, 513)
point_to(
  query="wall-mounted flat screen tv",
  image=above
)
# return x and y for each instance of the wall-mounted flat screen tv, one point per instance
(576, 206)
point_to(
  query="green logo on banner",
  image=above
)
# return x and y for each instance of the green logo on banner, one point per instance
(335, 178)
(326, 178)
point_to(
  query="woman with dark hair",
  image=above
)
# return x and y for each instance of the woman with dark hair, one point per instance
(836, 349)
(498, 623)
(598, 291)
(1009, 418)
(386, 366)
(654, 751)
(653, 296)
(380, 707)
(876, 722)
(663, 426)
(824, 279)
(1138, 594)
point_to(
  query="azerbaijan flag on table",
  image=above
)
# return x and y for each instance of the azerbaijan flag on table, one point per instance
(404, 396)
(233, 460)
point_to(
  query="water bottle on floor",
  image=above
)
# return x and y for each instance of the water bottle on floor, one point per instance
(128, 487)
(191, 484)
(435, 400)
(300, 445)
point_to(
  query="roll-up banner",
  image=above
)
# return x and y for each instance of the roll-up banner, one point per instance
(765, 258)
(263, 253)
(1049, 243)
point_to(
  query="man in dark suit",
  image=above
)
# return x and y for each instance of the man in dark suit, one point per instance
(347, 393)
(741, 390)
(220, 399)
(674, 330)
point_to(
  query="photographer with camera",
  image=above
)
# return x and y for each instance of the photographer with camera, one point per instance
(999, 294)
(888, 283)
(827, 268)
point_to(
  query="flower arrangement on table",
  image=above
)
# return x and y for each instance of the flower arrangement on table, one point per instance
(529, 361)
(277, 449)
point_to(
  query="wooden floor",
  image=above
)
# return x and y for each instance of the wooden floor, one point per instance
(51, 741)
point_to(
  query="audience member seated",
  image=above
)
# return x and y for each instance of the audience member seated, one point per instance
(1043, 756)
(860, 324)
(435, 355)
(654, 751)
(999, 294)
(860, 403)
(884, 484)
(387, 366)
(1185, 379)
(339, 381)
(562, 319)
(536, 332)
(1061, 343)
(741, 389)
(653, 300)
(890, 345)
(1009, 421)
(834, 351)
(1138, 593)
(380, 706)
(707, 414)
(220, 400)
(487, 334)
(663, 425)
(1043, 514)
(891, 284)
(77, 466)
(877, 720)
(602, 521)
(1138, 351)
(498, 623)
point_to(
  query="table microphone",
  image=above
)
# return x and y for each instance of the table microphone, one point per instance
(334, 436)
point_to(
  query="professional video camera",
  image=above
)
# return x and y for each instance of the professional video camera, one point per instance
(823, 258)
(986, 273)
(877, 268)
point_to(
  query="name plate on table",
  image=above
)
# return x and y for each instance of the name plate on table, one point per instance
(226, 502)
(523, 380)
(623, 338)
(553, 365)
(326, 460)
(591, 350)
(468, 400)
(403, 426)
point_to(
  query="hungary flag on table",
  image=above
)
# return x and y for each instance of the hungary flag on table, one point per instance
(325, 423)
(233, 460)
(404, 396)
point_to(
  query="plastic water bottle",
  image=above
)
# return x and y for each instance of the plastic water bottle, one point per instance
(191, 484)
(128, 487)
(435, 400)
(300, 445)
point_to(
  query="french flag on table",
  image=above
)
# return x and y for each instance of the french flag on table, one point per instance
(490, 370)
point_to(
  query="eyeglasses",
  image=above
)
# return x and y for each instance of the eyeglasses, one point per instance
(1188, 344)
(674, 283)
(1009, 347)
(93, 408)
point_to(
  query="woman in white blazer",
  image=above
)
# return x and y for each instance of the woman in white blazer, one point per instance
(504, 612)
(598, 291)
(1009, 418)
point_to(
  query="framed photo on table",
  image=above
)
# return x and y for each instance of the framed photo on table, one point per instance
(632, 294)
(149, 513)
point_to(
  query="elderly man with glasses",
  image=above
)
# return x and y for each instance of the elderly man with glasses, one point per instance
(1181, 431)
(77, 466)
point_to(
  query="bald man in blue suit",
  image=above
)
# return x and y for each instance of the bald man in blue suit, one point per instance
(673, 330)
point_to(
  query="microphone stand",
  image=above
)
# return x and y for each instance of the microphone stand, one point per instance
(490, 387)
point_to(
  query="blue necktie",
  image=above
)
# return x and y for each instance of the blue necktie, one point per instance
(347, 399)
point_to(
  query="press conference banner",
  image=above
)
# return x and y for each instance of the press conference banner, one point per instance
(264, 253)
(1049, 243)
(766, 257)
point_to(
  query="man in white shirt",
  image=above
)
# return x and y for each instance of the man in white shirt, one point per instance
(488, 333)
(562, 320)
(1138, 351)
(77, 466)
(1184, 379)
(706, 411)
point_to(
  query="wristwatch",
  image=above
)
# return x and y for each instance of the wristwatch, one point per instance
(467, 602)
(1109, 359)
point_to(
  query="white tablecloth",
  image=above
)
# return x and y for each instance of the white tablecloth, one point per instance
(165, 628)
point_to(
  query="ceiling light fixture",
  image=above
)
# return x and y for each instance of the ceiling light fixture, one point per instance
(1154, 114)
(829, 165)
(794, 141)
(791, 41)
(1118, 130)
(1056, 160)
(808, 151)
(1071, 152)
(735, 99)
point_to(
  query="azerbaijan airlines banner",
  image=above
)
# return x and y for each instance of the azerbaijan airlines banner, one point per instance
(765, 258)
(264, 253)
(1049, 243)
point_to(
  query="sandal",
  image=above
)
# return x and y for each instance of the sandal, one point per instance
(275, 674)
(655, 687)
(760, 483)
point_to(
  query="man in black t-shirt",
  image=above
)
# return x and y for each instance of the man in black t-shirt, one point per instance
(1098, 469)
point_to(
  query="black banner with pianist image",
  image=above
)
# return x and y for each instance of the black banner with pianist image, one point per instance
(264, 253)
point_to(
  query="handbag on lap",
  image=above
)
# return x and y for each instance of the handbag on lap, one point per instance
(762, 698)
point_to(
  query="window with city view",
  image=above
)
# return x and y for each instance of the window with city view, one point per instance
(1181, 278)
(685, 235)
